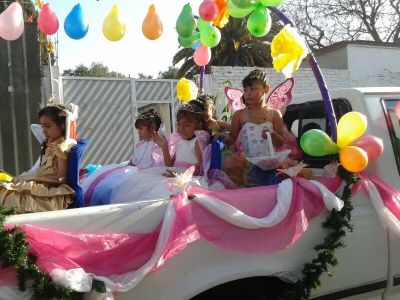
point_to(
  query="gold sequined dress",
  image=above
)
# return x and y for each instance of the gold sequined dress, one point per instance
(40, 193)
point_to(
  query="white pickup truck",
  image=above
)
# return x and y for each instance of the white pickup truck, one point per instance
(369, 265)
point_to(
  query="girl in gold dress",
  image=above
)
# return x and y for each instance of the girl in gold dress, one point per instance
(47, 190)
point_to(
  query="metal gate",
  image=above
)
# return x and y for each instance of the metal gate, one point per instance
(107, 110)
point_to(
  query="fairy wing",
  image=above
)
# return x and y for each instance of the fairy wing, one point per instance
(234, 97)
(281, 96)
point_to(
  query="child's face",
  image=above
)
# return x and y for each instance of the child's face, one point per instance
(186, 128)
(255, 93)
(50, 129)
(145, 132)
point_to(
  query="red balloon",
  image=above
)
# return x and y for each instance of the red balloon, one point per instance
(47, 20)
(208, 10)
(370, 144)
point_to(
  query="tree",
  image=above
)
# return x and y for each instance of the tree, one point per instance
(144, 76)
(96, 69)
(326, 22)
(171, 73)
(236, 48)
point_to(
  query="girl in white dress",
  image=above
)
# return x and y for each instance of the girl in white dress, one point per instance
(100, 186)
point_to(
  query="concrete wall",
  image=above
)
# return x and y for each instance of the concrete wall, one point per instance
(337, 59)
(305, 81)
(374, 66)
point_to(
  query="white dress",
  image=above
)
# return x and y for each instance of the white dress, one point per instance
(126, 185)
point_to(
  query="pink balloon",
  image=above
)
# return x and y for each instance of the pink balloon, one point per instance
(12, 22)
(47, 20)
(202, 55)
(397, 109)
(370, 144)
(208, 10)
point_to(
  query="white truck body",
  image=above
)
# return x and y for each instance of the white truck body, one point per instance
(368, 267)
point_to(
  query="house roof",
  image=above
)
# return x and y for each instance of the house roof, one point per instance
(342, 44)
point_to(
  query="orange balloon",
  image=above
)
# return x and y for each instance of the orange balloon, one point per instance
(152, 26)
(353, 158)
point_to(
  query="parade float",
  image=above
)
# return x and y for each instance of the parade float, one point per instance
(284, 237)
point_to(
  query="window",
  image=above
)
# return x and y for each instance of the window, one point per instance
(391, 108)
(311, 115)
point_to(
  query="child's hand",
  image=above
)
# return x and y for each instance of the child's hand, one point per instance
(160, 140)
(264, 133)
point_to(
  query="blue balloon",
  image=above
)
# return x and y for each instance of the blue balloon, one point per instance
(75, 25)
(198, 43)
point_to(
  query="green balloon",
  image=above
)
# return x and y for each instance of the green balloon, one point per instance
(273, 3)
(316, 142)
(243, 3)
(185, 23)
(189, 42)
(210, 36)
(201, 24)
(259, 22)
(237, 12)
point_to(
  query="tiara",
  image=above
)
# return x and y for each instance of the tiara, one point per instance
(147, 115)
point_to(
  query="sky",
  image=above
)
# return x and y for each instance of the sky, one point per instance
(134, 53)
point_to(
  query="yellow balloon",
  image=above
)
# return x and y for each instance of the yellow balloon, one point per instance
(353, 158)
(152, 26)
(113, 27)
(350, 127)
(5, 177)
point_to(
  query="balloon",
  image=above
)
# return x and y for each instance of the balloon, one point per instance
(197, 44)
(243, 3)
(12, 22)
(202, 55)
(273, 3)
(259, 22)
(201, 24)
(113, 27)
(185, 24)
(188, 42)
(75, 24)
(208, 10)
(350, 127)
(47, 20)
(353, 159)
(372, 145)
(397, 109)
(316, 142)
(152, 26)
(237, 12)
(210, 36)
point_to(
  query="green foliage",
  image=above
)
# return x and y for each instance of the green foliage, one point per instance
(337, 223)
(96, 69)
(14, 253)
(171, 73)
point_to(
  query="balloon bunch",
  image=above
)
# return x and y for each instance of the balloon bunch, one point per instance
(259, 22)
(201, 36)
(354, 149)
(12, 22)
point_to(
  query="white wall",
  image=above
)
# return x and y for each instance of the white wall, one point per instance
(305, 81)
(373, 65)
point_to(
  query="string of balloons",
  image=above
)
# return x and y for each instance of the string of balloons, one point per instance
(76, 25)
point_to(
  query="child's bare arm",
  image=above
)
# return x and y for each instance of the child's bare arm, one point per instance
(235, 128)
(199, 159)
(224, 125)
(162, 142)
(277, 133)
